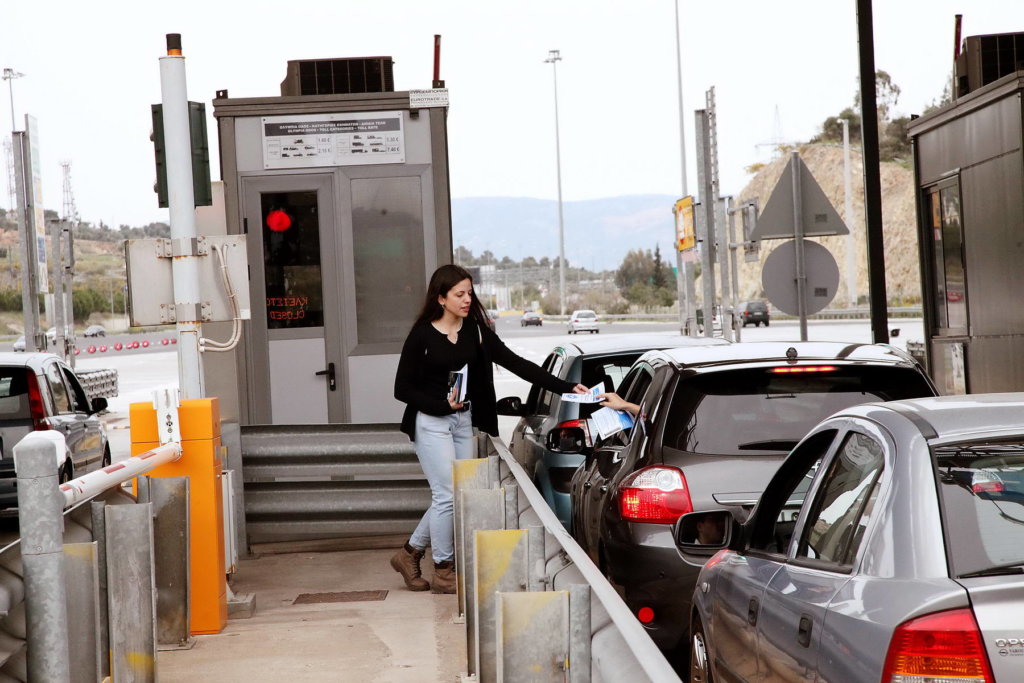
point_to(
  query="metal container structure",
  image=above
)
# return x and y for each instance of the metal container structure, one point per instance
(969, 180)
(345, 201)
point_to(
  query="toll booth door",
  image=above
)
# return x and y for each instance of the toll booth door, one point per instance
(297, 370)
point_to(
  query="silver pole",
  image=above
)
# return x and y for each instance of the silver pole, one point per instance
(798, 244)
(851, 256)
(40, 523)
(683, 273)
(706, 226)
(29, 305)
(554, 56)
(181, 201)
(734, 270)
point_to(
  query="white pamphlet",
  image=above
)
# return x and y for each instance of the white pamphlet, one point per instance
(590, 397)
(457, 381)
(607, 421)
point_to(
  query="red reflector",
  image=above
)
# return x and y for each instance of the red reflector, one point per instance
(656, 495)
(940, 646)
(797, 369)
(278, 220)
(645, 615)
(35, 403)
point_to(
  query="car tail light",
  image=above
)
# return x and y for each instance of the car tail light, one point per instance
(803, 369)
(986, 482)
(945, 646)
(35, 403)
(656, 494)
(583, 425)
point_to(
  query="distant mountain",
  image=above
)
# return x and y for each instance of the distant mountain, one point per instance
(598, 232)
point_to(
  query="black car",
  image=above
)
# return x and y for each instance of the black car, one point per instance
(553, 435)
(716, 422)
(754, 313)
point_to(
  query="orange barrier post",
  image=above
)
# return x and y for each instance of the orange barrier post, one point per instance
(199, 422)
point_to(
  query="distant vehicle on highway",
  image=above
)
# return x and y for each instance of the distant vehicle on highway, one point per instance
(754, 313)
(95, 331)
(19, 345)
(38, 391)
(888, 547)
(583, 321)
(531, 318)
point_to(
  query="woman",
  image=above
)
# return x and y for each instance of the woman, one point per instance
(449, 339)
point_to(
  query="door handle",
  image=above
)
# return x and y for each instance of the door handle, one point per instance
(752, 611)
(332, 383)
(803, 632)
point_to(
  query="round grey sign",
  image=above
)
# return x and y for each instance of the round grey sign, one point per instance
(778, 277)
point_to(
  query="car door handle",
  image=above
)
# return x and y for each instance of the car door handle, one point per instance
(332, 383)
(752, 611)
(803, 632)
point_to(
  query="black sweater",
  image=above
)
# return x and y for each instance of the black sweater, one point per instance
(418, 379)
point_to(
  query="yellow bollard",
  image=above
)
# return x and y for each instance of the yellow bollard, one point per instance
(199, 422)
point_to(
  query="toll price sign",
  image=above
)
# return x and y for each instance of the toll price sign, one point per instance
(350, 139)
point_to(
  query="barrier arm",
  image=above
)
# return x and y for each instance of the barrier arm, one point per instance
(94, 483)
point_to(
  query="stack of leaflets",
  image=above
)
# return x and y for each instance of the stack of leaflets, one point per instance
(605, 421)
(457, 380)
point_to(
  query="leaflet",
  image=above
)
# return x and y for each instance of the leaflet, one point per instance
(607, 421)
(590, 397)
(457, 381)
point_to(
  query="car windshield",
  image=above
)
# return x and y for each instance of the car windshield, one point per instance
(758, 411)
(981, 487)
(14, 394)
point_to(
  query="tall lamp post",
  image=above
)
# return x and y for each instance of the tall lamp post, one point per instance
(9, 75)
(554, 56)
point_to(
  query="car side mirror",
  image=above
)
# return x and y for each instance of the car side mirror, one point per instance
(99, 405)
(566, 440)
(705, 533)
(510, 405)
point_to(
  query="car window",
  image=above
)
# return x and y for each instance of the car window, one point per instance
(777, 510)
(14, 403)
(842, 506)
(762, 411)
(61, 400)
(546, 397)
(981, 487)
(606, 370)
(78, 398)
(534, 396)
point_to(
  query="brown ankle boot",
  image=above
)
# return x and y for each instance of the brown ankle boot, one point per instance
(407, 563)
(444, 577)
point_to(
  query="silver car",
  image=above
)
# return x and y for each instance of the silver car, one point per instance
(889, 546)
(583, 321)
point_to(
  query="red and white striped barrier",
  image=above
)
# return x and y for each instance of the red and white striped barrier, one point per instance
(89, 485)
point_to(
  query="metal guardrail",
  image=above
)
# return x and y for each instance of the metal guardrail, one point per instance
(827, 314)
(305, 482)
(98, 383)
(536, 607)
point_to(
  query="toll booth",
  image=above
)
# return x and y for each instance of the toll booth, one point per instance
(341, 186)
(969, 176)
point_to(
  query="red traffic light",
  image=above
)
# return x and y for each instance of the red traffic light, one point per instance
(278, 220)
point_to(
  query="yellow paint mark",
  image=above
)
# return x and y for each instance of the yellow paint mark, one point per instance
(82, 551)
(494, 550)
(519, 610)
(465, 470)
(140, 662)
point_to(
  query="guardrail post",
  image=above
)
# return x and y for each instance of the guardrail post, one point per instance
(479, 509)
(579, 633)
(41, 525)
(466, 474)
(99, 537)
(170, 499)
(501, 565)
(133, 613)
(511, 505)
(81, 569)
(532, 637)
(538, 560)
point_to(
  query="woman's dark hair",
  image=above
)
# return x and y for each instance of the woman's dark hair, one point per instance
(441, 282)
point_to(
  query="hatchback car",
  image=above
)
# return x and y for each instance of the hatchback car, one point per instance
(553, 435)
(39, 391)
(716, 423)
(754, 313)
(531, 318)
(888, 547)
(95, 331)
(583, 321)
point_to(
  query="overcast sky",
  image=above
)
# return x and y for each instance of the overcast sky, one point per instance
(91, 73)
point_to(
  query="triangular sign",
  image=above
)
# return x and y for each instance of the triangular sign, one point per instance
(820, 218)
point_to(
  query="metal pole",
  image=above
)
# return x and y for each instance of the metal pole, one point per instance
(733, 269)
(554, 56)
(872, 180)
(181, 201)
(57, 275)
(723, 265)
(42, 555)
(29, 304)
(706, 227)
(682, 269)
(851, 258)
(798, 245)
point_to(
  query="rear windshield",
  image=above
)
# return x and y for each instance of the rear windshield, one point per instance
(607, 371)
(14, 394)
(757, 306)
(759, 412)
(586, 314)
(981, 489)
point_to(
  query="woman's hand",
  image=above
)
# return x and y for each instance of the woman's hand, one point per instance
(456, 406)
(580, 389)
(616, 402)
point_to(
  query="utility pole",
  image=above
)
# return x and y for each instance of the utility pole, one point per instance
(705, 219)
(181, 202)
(684, 270)
(719, 235)
(851, 258)
(555, 56)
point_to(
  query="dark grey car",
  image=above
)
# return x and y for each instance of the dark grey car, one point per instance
(888, 547)
(717, 422)
(553, 435)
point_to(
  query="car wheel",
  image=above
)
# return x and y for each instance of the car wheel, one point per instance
(700, 664)
(106, 457)
(757, 324)
(766, 323)
(66, 473)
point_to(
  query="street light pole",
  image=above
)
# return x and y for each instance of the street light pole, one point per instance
(9, 76)
(554, 56)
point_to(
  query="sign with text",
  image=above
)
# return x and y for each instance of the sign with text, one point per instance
(350, 139)
(686, 234)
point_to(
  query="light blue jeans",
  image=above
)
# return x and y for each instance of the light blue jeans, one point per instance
(439, 441)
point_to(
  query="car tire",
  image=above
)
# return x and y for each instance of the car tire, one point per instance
(105, 462)
(66, 473)
(700, 661)
(766, 323)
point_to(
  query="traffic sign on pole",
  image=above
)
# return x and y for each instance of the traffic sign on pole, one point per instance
(778, 277)
(819, 217)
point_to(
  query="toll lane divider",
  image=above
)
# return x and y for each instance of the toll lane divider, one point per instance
(536, 608)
